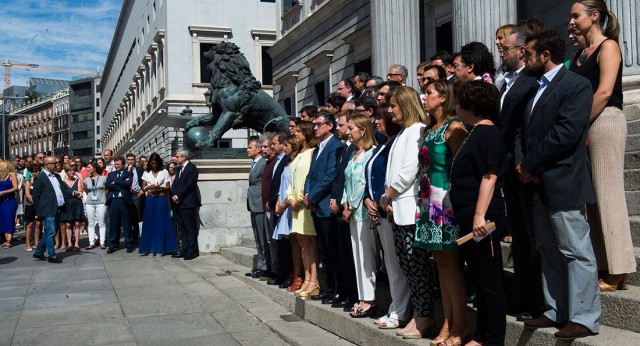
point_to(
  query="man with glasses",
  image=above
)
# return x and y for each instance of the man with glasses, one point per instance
(398, 73)
(516, 92)
(48, 196)
(317, 189)
(431, 73)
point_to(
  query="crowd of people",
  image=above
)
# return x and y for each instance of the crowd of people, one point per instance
(384, 177)
(58, 199)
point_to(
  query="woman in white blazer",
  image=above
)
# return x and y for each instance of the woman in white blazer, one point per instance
(400, 201)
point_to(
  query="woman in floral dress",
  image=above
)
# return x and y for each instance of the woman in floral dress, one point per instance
(436, 226)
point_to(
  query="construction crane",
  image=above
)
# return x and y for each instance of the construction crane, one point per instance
(7, 70)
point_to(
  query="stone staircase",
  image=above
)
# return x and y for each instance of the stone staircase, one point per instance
(620, 320)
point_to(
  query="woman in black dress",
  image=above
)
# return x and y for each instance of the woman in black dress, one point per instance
(73, 211)
(476, 178)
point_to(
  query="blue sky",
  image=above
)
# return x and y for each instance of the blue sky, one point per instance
(67, 36)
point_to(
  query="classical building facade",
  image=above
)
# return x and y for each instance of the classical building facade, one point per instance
(320, 42)
(155, 67)
(41, 126)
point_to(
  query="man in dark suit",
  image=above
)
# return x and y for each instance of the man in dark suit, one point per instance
(186, 196)
(552, 154)
(49, 193)
(137, 196)
(317, 189)
(347, 287)
(281, 257)
(119, 201)
(256, 209)
(515, 95)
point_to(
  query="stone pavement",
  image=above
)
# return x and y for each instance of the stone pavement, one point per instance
(124, 299)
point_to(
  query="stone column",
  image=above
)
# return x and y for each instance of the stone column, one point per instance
(478, 20)
(395, 36)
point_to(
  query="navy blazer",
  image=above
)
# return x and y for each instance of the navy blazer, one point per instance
(185, 186)
(44, 196)
(322, 173)
(275, 181)
(121, 185)
(551, 144)
(377, 174)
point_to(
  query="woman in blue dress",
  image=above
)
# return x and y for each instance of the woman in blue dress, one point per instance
(8, 204)
(157, 236)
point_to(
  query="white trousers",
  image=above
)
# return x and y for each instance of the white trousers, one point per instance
(398, 287)
(96, 213)
(363, 245)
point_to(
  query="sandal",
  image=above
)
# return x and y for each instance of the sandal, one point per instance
(359, 313)
(6, 245)
(389, 323)
(28, 249)
(440, 339)
(305, 295)
(91, 246)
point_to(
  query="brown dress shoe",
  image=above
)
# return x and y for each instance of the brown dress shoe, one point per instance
(540, 322)
(572, 331)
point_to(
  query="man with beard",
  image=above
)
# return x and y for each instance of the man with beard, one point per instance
(551, 153)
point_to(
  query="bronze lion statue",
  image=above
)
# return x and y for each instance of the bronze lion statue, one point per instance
(235, 98)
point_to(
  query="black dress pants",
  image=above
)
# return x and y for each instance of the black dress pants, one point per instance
(119, 219)
(526, 259)
(348, 286)
(484, 261)
(327, 239)
(188, 221)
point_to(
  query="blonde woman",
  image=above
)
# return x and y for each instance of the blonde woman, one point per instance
(8, 204)
(363, 239)
(400, 200)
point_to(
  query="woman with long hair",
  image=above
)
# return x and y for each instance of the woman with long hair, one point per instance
(375, 172)
(30, 220)
(477, 173)
(601, 63)
(436, 226)
(363, 239)
(8, 204)
(158, 236)
(303, 233)
(73, 211)
(283, 210)
(95, 204)
(400, 201)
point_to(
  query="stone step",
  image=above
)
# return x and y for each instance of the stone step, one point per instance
(633, 202)
(633, 127)
(634, 221)
(363, 332)
(632, 160)
(633, 143)
(248, 241)
(632, 179)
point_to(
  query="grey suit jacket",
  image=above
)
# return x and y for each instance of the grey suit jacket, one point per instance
(254, 194)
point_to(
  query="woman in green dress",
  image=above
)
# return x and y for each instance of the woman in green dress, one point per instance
(436, 226)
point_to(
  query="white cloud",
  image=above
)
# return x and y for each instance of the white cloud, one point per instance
(56, 34)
